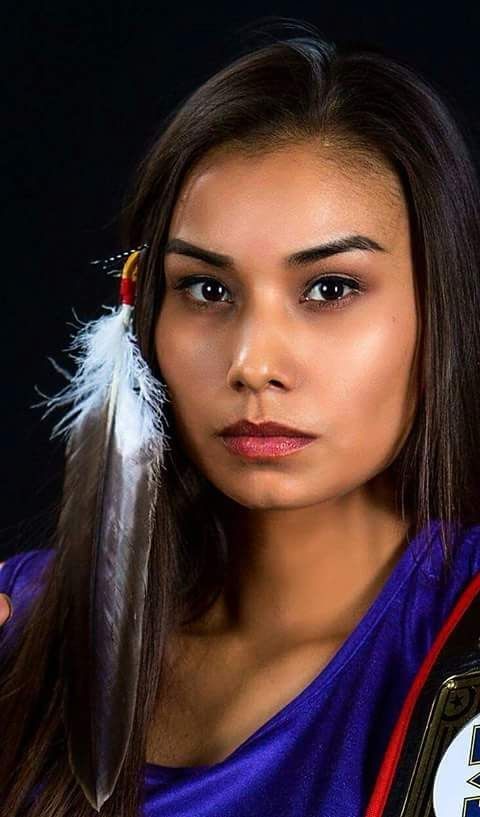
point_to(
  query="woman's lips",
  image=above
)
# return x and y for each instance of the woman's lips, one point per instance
(268, 446)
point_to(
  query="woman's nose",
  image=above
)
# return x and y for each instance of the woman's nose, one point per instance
(263, 355)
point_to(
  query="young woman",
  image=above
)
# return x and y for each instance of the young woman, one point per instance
(311, 215)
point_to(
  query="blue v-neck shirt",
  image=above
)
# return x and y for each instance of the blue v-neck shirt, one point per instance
(319, 755)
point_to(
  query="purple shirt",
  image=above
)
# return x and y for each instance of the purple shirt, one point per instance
(320, 754)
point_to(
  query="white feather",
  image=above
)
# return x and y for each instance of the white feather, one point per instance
(108, 357)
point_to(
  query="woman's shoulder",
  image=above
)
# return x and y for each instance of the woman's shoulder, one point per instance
(443, 576)
(20, 574)
(462, 547)
(466, 550)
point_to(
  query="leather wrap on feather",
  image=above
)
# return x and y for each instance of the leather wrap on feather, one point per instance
(113, 460)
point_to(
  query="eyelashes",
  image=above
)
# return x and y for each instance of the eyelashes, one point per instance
(329, 285)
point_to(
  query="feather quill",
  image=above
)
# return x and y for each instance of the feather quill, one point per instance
(115, 445)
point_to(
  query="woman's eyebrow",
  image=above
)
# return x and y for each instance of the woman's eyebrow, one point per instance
(226, 262)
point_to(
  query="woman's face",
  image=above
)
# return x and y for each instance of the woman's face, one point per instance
(264, 339)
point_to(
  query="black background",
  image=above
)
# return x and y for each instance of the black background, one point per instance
(84, 88)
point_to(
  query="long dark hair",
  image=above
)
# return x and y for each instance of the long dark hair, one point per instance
(291, 89)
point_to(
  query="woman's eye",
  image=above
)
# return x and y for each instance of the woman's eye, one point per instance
(209, 288)
(330, 290)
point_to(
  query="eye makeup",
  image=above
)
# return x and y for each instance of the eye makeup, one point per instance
(333, 284)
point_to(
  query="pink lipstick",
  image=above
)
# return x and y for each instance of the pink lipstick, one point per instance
(264, 440)
(261, 447)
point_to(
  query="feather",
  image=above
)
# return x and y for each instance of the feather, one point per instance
(115, 447)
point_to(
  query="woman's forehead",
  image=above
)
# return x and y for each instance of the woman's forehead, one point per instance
(294, 168)
(287, 198)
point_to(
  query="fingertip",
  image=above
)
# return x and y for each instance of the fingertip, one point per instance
(8, 601)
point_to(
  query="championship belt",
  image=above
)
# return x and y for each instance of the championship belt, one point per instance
(432, 764)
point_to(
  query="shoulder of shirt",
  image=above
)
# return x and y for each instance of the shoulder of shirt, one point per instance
(20, 567)
(470, 536)
(21, 577)
(471, 543)
(464, 552)
(26, 554)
